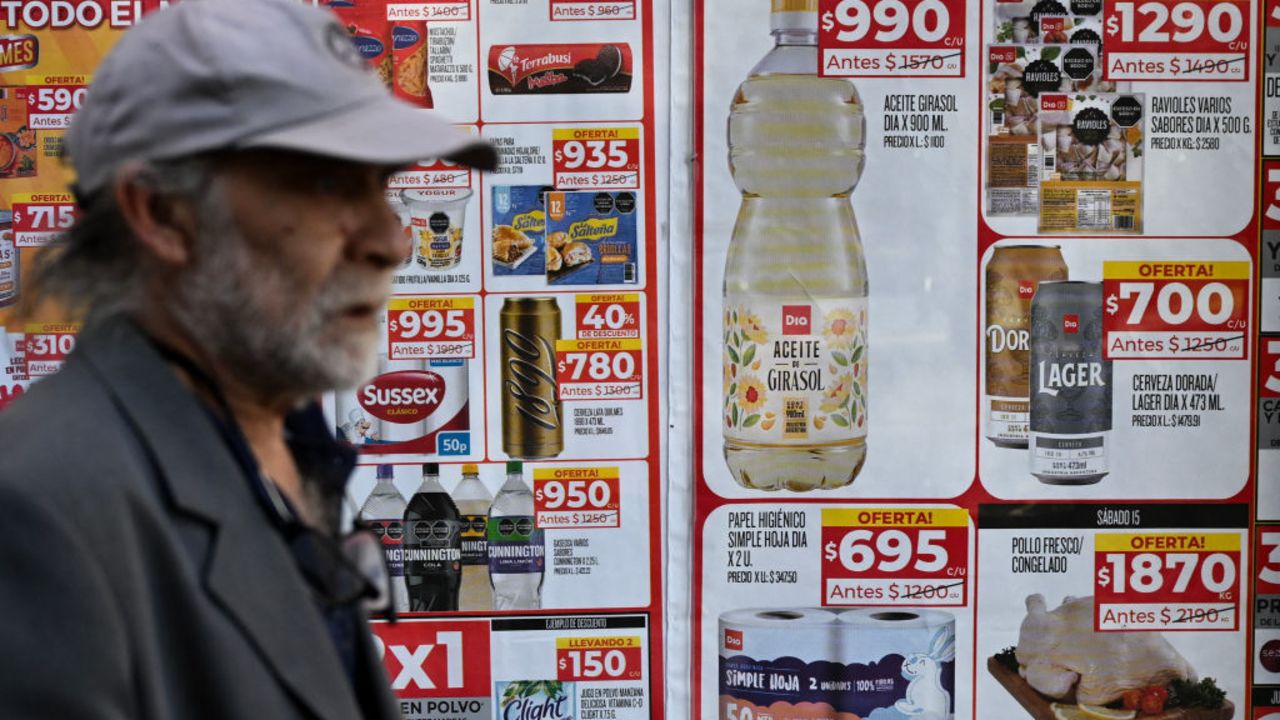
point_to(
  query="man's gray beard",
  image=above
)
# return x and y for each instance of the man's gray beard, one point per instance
(223, 303)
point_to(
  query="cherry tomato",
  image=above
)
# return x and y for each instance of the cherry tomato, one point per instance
(1131, 699)
(1153, 699)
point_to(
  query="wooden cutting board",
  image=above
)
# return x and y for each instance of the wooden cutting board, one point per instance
(1038, 705)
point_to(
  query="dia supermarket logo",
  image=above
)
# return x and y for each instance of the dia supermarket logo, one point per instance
(732, 639)
(795, 319)
(1070, 324)
(536, 700)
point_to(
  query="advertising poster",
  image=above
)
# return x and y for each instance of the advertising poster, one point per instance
(978, 294)
(512, 442)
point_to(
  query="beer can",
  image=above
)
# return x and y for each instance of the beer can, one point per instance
(1070, 417)
(1013, 274)
(532, 414)
(10, 270)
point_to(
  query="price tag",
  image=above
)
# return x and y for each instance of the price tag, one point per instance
(437, 174)
(596, 158)
(598, 659)
(47, 346)
(1175, 310)
(1166, 581)
(50, 106)
(894, 556)
(455, 10)
(599, 369)
(891, 38)
(431, 327)
(1267, 553)
(41, 218)
(1177, 39)
(577, 10)
(608, 316)
(576, 497)
(1269, 369)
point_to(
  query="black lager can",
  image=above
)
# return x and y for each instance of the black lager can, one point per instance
(1070, 385)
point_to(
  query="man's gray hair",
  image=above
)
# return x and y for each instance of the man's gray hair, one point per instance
(99, 268)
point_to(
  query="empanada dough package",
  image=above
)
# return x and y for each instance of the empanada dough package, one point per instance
(519, 225)
(1097, 145)
(591, 238)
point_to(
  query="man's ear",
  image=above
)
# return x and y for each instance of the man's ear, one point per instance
(165, 224)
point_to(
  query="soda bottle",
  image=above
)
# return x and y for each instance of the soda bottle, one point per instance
(383, 512)
(795, 281)
(432, 546)
(516, 553)
(473, 501)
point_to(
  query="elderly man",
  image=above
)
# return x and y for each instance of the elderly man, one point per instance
(169, 499)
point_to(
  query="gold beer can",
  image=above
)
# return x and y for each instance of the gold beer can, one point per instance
(1013, 276)
(532, 414)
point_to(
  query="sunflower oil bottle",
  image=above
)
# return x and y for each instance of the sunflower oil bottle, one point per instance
(795, 286)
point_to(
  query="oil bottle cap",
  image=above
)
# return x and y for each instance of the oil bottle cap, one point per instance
(470, 469)
(801, 15)
(795, 6)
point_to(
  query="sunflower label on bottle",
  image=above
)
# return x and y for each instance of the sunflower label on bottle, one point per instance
(795, 373)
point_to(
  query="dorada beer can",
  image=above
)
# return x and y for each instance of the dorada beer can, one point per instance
(1014, 273)
(1070, 385)
(532, 414)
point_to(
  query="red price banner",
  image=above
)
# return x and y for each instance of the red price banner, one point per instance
(1271, 196)
(431, 327)
(47, 346)
(599, 659)
(1175, 310)
(1269, 369)
(599, 369)
(596, 158)
(456, 10)
(50, 106)
(1273, 13)
(576, 497)
(1177, 39)
(891, 38)
(894, 556)
(610, 316)
(1267, 553)
(578, 10)
(1166, 581)
(41, 218)
(435, 659)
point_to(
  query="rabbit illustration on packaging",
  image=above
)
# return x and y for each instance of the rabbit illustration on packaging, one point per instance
(926, 698)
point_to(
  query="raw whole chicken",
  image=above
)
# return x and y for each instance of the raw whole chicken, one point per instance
(1059, 651)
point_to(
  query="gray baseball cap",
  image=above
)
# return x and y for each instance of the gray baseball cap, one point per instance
(207, 75)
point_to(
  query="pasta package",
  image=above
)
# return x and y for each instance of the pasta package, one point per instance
(370, 30)
(409, 61)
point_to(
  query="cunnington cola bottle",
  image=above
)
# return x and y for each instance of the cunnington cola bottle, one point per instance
(432, 546)
(516, 550)
(473, 501)
(383, 511)
(795, 283)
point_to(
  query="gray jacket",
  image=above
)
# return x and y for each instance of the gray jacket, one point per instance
(139, 575)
